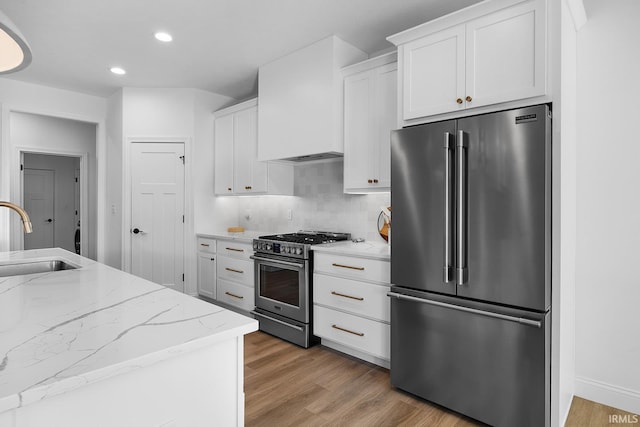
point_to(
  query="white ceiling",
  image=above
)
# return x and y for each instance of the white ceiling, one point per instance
(218, 44)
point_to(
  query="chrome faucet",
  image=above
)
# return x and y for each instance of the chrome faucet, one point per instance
(26, 222)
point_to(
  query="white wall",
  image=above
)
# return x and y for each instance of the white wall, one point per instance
(36, 132)
(608, 219)
(64, 167)
(165, 115)
(113, 203)
(318, 204)
(17, 96)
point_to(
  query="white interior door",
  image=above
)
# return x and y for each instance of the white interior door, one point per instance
(157, 213)
(38, 202)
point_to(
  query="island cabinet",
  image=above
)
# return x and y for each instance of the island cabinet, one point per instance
(237, 169)
(207, 267)
(351, 307)
(235, 275)
(488, 53)
(370, 113)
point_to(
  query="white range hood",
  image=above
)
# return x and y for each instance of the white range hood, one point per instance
(300, 102)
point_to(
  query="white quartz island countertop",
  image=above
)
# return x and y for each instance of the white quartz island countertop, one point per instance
(244, 236)
(66, 329)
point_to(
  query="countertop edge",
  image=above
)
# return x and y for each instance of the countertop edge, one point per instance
(66, 385)
(367, 250)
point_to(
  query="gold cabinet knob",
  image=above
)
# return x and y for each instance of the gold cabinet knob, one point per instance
(468, 99)
(459, 100)
(375, 181)
(229, 189)
(370, 181)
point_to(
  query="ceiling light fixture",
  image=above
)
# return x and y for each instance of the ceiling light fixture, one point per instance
(117, 70)
(15, 53)
(163, 37)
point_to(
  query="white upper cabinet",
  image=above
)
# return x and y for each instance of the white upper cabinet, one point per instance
(223, 135)
(486, 54)
(300, 109)
(370, 113)
(237, 169)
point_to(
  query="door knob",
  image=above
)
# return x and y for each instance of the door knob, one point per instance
(137, 231)
(49, 220)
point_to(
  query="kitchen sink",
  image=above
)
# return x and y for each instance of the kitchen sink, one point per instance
(31, 267)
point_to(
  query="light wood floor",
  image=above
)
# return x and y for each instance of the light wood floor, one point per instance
(286, 385)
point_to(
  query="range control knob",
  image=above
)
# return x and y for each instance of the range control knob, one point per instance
(299, 251)
(268, 247)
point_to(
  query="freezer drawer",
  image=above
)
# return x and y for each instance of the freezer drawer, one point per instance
(493, 369)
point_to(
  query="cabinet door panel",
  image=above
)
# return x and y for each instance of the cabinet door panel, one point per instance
(434, 73)
(385, 116)
(224, 155)
(250, 175)
(206, 275)
(506, 55)
(358, 129)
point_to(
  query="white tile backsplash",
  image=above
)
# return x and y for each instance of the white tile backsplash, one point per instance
(318, 204)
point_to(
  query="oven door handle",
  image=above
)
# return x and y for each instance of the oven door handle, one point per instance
(277, 261)
(298, 328)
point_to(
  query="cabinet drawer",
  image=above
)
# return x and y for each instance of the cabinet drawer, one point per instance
(361, 334)
(236, 295)
(206, 245)
(359, 298)
(353, 267)
(236, 270)
(235, 249)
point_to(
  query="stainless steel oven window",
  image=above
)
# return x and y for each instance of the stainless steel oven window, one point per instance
(280, 284)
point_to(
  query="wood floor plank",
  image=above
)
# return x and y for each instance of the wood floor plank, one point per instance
(286, 385)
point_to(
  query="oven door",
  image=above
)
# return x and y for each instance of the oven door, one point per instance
(282, 286)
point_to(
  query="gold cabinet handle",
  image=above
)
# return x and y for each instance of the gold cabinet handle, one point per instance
(375, 181)
(459, 100)
(348, 266)
(468, 99)
(229, 189)
(206, 245)
(360, 334)
(235, 250)
(234, 270)
(248, 187)
(234, 295)
(346, 296)
(213, 259)
(370, 181)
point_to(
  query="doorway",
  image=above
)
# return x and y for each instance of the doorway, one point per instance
(51, 194)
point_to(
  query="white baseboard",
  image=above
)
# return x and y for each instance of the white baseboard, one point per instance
(607, 394)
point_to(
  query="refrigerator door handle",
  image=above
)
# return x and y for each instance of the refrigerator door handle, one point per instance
(521, 320)
(447, 207)
(461, 209)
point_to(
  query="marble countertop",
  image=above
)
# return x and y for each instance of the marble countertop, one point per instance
(65, 329)
(367, 249)
(246, 236)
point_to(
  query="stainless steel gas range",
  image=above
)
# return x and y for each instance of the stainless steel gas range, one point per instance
(284, 285)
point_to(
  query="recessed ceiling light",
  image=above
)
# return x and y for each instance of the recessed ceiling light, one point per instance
(118, 70)
(163, 37)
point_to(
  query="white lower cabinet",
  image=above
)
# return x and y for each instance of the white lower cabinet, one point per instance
(235, 275)
(236, 295)
(207, 267)
(351, 307)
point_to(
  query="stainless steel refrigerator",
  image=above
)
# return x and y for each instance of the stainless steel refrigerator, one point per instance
(471, 265)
